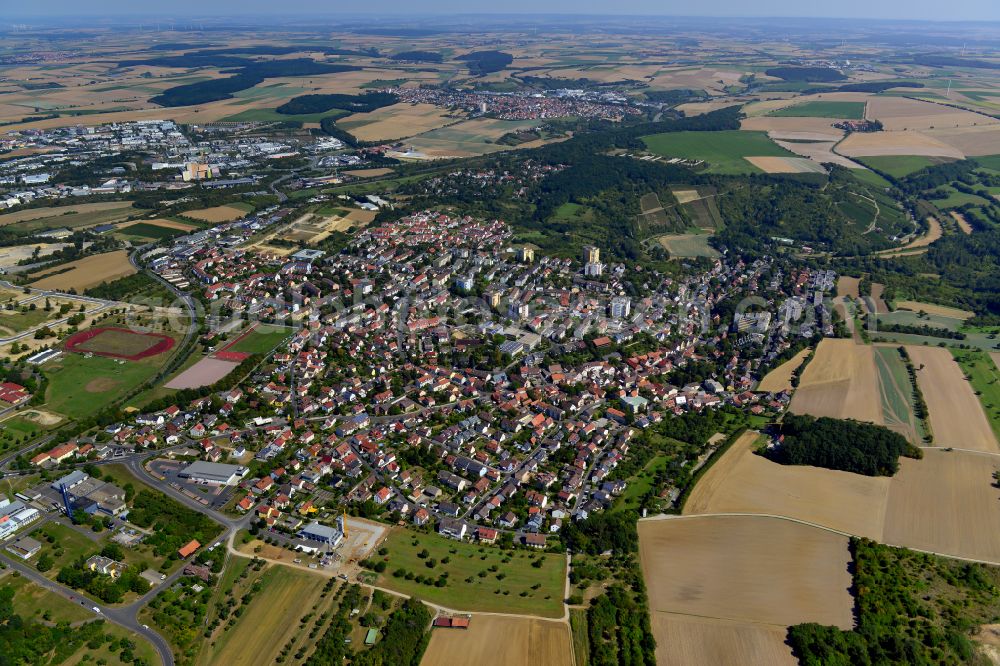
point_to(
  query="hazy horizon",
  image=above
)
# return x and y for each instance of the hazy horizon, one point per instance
(914, 10)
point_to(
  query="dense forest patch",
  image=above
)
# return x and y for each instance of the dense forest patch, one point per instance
(850, 446)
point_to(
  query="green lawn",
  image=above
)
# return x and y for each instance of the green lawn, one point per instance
(150, 231)
(899, 166)
(471, 585)
(263, 339)
(692, 244)
(985, 382)
(16, 320)
(68, 545)
(724, 151)
(80, 386)
(822, 109)
(640, 484)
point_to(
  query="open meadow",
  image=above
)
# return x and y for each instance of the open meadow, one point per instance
(840, 382)
(724, 151)
(72, 216)
(479, 578)
(501, 641)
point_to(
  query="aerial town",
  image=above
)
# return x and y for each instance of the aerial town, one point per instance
(419, 346)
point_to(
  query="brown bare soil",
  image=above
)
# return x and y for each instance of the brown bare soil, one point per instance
(744, 482)
(946, 503)
(368, 173)
(501, 641)
(971, 141)
(100, 385)
(747, 569)
(840, 382)
(205, 372)
(848, 286)
(696, 641)
(780, 379)
(217, 214)
(819, 152)
(956, 415)
(877, 291)
(962, 223)
(85, 273)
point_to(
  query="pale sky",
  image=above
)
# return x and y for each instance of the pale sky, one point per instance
(929, 10)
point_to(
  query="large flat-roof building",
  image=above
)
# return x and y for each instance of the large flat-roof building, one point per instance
(213, 474)
(330, 536)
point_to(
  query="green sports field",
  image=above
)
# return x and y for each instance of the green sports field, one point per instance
(820, 109)
(723, 151)
(81, 386)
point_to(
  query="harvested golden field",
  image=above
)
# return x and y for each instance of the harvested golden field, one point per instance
(901, 113)
(395, 122)
(956, 415)
(744, 482)
(698, 108)
(747, 569)
(946, 503)
(780, 379)
(501, 641)
(931, 308)
(903, 142)
(85, 273)
(821, 127)
(697, 641)
(46, 213)
(840, 382)
(769, 164)
(287, 593)
(686, 196)
(962, 223)
(217, 214)
(972, 141)
(848, 286)
(369, 173)
(820, 152)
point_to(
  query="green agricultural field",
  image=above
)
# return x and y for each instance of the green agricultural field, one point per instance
(896, 392)
(900, 166)
(81, 386)
(723, 151)
(479, 578)
(985, 380)
(822, 109)
(956, 199)
(272, 116)
(869, 177)
(149, 231)
(989, 161)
